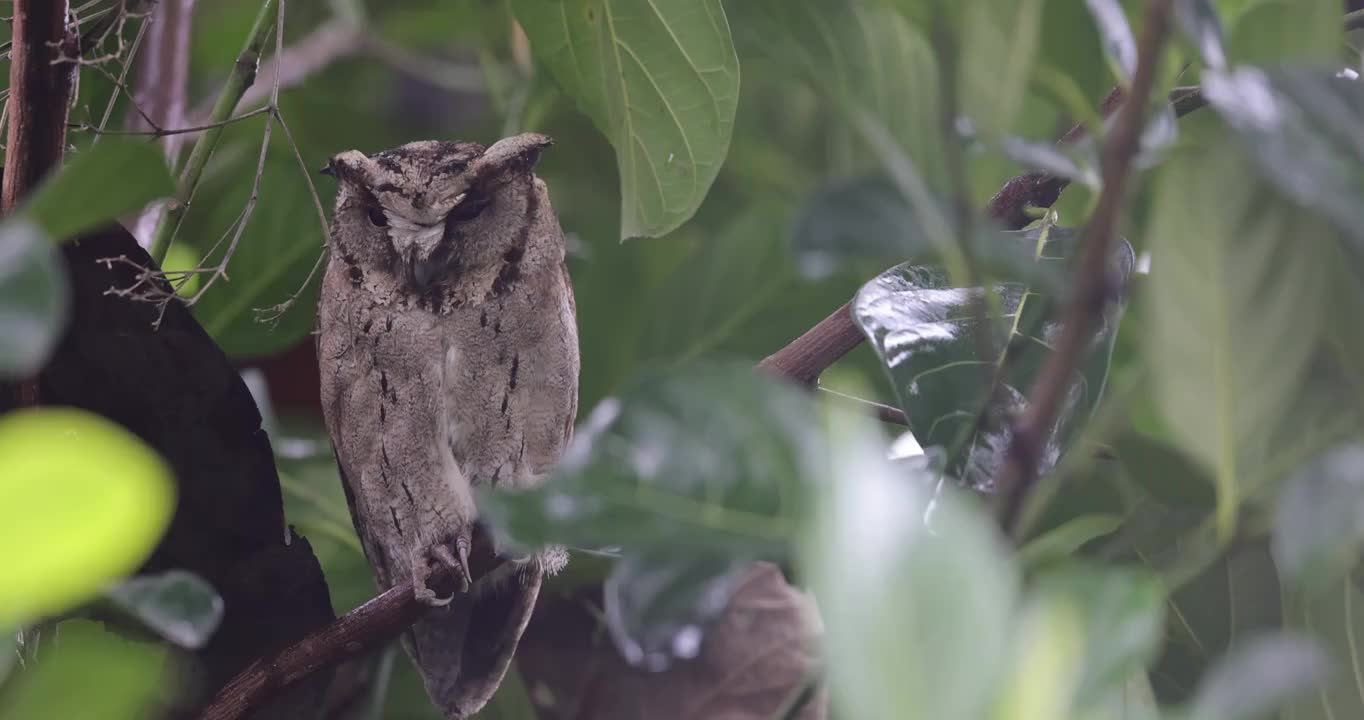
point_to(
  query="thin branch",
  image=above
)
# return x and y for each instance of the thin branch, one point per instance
(164, 132)
(242, 77)
(1093, 286)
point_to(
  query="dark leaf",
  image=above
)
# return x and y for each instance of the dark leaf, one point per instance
(1063, 541)
(33, 298)
(1199, 20)
(658, 604)
(1259, 675)
(97, 186)
(1319, 523)
(713, 456)
(1119, 43)
(924, 331)
(1167, 472)
(918, 621)
(1301, 128)
(177, 605)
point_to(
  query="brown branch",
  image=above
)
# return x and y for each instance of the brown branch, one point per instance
(36, 110)
(1093, 286)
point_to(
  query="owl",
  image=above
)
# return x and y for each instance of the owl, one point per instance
(448, 350)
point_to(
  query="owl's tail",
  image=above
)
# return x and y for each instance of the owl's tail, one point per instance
(463, 650)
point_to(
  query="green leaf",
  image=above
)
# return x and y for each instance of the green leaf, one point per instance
(1165, 471)
(1319, 523)
(915, 587)
(89, 675)
(1299, 126)
(924, 331)
(98, 185)
(660, 79)
(1259, 675)
(1123, 614)
(999, 42)
(1233, 317)
(657, 603)
(855, 55)
(712, 456)
(33, 298)
(1049, 655)
(1200, 21)
(1119, 43)
(1277, 32)
(1333, 619)
(177, 605)
(1066, 539)
(98, 493)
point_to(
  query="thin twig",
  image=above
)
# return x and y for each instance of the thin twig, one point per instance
(242, 77)
(1093, 285)
(164, 132)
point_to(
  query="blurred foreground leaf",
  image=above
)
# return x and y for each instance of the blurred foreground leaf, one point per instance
(177, 605)
(1261, 674)
(1319, 524)
(86, 499)
(33, 298)
(98, 185)
(90, 675)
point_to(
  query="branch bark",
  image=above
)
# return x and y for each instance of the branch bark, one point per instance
(1093, 286)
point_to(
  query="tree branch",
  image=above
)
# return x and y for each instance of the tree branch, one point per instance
(242, 77)
(1093, 286)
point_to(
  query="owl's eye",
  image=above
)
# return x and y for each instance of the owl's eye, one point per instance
(377, 218)
(472, 207)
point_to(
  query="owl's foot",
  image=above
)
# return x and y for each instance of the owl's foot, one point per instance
(442, 553)
(421, 572)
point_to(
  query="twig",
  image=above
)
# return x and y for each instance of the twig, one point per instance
(884, 413)
(1093, 286)
(242, 77)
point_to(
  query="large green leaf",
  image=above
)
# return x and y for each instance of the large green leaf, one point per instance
(661, 79)
(1260, 675)
(1235, 298)
(915, 588)
(999, 42)
(98, 185)
(1299, 125)
(89, 675)
(88, 500)
(711, 457)
(926, 334)
(859, 56)
(33, 298)
(1274, 32)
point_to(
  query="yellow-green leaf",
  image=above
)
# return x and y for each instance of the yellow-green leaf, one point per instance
(86, 501)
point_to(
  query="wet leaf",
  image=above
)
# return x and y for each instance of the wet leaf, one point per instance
(98, 185)
(919, 618)
(713, 457)
(33, 298)
(1259, 675)
(1300, 127)
(1200, 22)
(660, 79)
(1233, 317)
(1119, 43)
(925, 332)
(659, 603)
(1319, 522)
(177, 605)
(100, 495)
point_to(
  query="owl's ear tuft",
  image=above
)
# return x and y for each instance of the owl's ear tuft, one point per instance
(350, 166)
(511, 156)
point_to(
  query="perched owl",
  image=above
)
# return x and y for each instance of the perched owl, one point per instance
(448, 348)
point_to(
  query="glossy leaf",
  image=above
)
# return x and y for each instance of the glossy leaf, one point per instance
(1299, 126)
(95, 491)
(1234, 298)
(918, 626)
(658, 603)
(90, 675)
(660, 79)
(33, 298)
(712, 457)
(1319, 524)
(177, 605)
(925, 333)
(1119, 42)
(1259, 675)
(98, 185)
(1200, 22)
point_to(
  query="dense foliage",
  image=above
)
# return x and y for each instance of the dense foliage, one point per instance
(1178, 536)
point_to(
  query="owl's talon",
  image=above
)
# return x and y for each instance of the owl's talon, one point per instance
(424, 594)
(443, 554)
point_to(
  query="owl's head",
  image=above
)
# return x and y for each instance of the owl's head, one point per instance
(430, 210)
